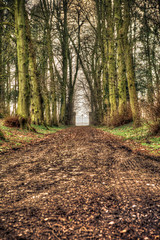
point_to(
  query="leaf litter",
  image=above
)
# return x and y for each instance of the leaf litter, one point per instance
(79, 183)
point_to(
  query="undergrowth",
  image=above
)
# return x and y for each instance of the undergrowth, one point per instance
(119, 120)
(141, 135)
(16, 137)
(152, 115)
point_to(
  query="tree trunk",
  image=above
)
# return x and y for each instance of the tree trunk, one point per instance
(53, 87)
(23, 98)
(104, 53)
(36, 98)
(111, 60)
(120, 60)
(129, 68)
(16, 86)
(8, 90)
(65, 64)
(70, 106)
(155, 68)
(44, 90)
(150, 89)
(2, 97)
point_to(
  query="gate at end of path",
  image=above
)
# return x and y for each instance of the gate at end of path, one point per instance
(82, 119)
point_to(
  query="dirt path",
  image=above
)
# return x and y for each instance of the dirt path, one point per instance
(79, 183)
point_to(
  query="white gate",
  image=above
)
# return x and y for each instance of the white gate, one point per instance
(82, 119)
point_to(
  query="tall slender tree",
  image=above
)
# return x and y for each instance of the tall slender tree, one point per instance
(111, 58)
(129, 66)
(48, 16)
(2, 103)
(36, 98)
(121, 68)
(65, 63)
(22, 55)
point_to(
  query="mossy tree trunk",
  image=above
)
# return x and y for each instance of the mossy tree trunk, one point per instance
(48, 15)
(100, 65)
(15, 85)
(150, 89)
(104, 53)
(43, 77)
(71, 87)
(52, 77)
(156, 69)
(36, 98)
(23, 98)
(65, 64)
(111, 58)
(97, 83)
(121, 71)
(129, 67)
(2, 92)
(8, 89)
(72, 77)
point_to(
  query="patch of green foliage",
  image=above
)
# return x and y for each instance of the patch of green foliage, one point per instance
(129, 132)
(47, 130)
(15, 137)
(140, 135)
(4, 127)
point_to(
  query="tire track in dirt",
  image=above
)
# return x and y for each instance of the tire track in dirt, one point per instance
(79, 183)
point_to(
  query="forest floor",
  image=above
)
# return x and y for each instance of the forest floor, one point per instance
(140, 138)
(79, 183)
(15, 137)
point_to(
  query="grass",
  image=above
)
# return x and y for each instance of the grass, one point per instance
(139, 135)
(16, 137)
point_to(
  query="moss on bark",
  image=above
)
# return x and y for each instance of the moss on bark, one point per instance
(130, 68)
(111, 59)
(23, 98)
(36, 98)
(53, 87)
(121, 71)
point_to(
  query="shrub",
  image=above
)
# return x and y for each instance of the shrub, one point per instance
(119, 120)
(12, 122)
(152, 116)
(2, 137)
(151, 112)
(154, 127)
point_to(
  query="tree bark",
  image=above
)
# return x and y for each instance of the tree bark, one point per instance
(43, 77)
(149, 76)
(111, 59)
(2, 92)
(65, 65)
(53, 87)
(36, 98)
(129, 68)
(121, 71)
(23, 98)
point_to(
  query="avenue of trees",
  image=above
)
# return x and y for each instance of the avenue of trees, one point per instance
(47, 46)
